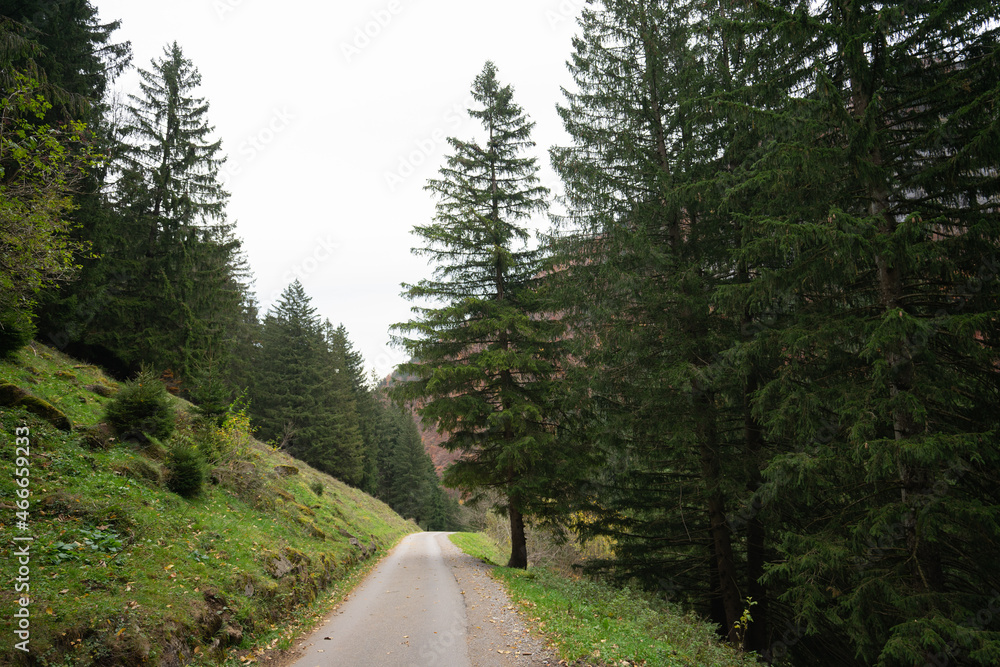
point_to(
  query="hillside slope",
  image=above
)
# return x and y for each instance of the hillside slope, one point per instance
(122, 571)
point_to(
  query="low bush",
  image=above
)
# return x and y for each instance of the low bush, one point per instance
(142, 408)
(186, 472)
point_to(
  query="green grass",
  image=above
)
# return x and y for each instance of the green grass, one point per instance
(599, 624)
(125, 572)
(60, 380)
(478, 545)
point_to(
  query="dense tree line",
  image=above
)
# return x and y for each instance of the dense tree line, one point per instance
(115, 247)
(309, 395)
(780, 263)
(777, 290)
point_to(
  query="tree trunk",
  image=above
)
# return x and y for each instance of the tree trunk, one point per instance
(718, 525)
(756, 637)
(753, 441)
(518, 542)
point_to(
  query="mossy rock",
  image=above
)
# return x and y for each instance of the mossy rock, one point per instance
(12, 396)
(101, 390)
(280, 564)
(314, 531)
(66, 375)
(99, 436)
(142, 470)
(286, 471)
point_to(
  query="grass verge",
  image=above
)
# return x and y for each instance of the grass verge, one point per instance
(478, 545)
(592, 623)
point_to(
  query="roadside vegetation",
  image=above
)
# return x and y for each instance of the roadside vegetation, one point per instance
(126, 571)
(593, 623)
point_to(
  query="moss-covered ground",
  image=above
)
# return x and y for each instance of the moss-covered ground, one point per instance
(122, 571)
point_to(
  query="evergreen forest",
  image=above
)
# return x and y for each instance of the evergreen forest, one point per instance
(115, 247)
(757, 348)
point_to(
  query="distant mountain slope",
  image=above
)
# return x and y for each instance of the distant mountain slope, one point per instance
(429, 436)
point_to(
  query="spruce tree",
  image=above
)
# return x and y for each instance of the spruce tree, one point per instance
(368, 409)
(284, 403)
(639, 256)
(180, 299)
(876, 215)
(341, 406)
(302, 399)
(483, 364)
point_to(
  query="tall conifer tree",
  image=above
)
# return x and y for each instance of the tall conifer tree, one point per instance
(180, 275)
(483, 363)
(640, 254)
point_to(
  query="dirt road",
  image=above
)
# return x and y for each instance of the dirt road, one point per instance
(427, 604)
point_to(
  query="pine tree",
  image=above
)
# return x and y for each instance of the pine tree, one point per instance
(483, 362)
(340, 403)
(180, 280)
(368, 409)
(876, 214)
(283, 404)
(302, 400)
(76, 59)
(639, 257)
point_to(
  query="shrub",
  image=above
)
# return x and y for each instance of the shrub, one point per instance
(142, 408)
(16, 331)
(317, 487)
(211, 440)
(185, 470)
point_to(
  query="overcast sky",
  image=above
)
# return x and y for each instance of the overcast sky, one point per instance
(333, 117)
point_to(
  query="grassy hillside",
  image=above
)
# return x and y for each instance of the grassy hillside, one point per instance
(122, 571)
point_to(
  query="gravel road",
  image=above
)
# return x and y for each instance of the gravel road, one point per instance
(426, 603)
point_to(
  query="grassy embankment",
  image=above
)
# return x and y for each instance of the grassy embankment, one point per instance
(590, 623)
(122, 571)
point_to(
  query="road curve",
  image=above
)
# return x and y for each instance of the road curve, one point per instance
(409, 612)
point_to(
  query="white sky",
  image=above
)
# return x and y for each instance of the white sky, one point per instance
(334, 116)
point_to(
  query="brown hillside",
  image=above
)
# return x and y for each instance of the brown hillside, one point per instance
(432, 440)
